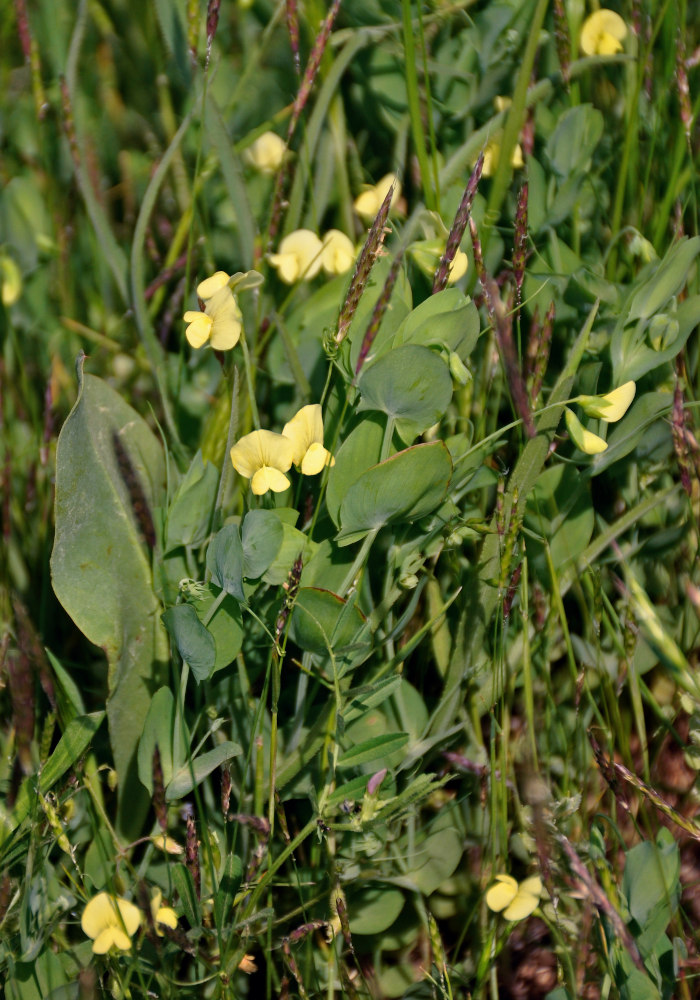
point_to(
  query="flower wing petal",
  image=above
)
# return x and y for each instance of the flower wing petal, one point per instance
(316, 459)
(199, 329)
(305, 428)
(246, 455)
(502, 893)
(268, 478)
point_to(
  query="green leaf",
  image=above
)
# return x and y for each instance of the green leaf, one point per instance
(374, 748)
(638, 349)
(667, 278)
(225, 625)
(171, 17)
(571, 144)
(194, 772)
(436, 857)
(651, 885)
(225, 561)
(189, 514)
(109, 473)
(360, 450)
(411, 384)
(184, 886)
(322, 622)
(373, 909)
(71, 746)
(194, 642)
(405, 487)
(361, 700)
(229, 885)
(449, 321)
(157, 731)
(262, 538)
(561, 510)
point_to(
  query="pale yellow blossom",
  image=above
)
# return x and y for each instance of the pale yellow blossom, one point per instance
(515, 901)
(370, 201)
(298, 257)
(610, 407)
(162, 914)
(111, 922)
(603, 33)
(338, 253)
(263, 457)
(492, 154)
(305, 432)
(266, 154)
(221, 321)
(585, 441)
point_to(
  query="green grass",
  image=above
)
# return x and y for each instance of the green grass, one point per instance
(467, 648)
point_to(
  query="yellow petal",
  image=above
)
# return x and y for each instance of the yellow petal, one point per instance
(268, 478)
(261, 449)
(500, 895)
(602, 33)
(210, 286)
(227, 320)
(315, 459)
(458, 267)
(370, 201)
(532, 886)
(304, 429)
(338, 254)
(299, 256)
(199, 328)
(166, 844)
(104, 941)
(166, 915)
(266, 154)
(105, 912)
(584, 440)
(612, 406)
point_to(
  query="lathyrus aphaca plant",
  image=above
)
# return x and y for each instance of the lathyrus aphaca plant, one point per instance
(319, 499)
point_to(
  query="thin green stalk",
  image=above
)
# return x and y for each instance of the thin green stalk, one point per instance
(414, 107)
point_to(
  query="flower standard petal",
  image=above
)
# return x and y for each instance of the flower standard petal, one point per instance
(226, 320)
(584, 440)
(263, 457)
(305, 427)
(246, 455)
(299, 256)
(110, 921)
(208, 288)
(603, 33)
(612, 406)
(526, 900)
(338, 254)
(266, 154)
(502, 894)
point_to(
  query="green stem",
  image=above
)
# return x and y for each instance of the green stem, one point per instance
(414, 108)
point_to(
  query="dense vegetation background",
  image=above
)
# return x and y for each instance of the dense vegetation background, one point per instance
(421, 717)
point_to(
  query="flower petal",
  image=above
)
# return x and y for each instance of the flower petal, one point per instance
(210, 286)
(166, 915)
(458, 268)
(500, 895)
(612, 406)
(227, 320)
(104, 941)
(299, 256)
(199, 329)
(316, 459)
(338, 254)
(584, 440)
(131, 915)
(304, 429)
(602, 33)
(266, 154)
(370, 201)
(269, 478)
(246, 455)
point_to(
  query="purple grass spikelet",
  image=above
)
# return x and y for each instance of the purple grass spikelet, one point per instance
(459, 226)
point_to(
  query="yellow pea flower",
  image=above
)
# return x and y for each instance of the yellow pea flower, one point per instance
(305, 432)
(338, 253)
(585, 441)
(612, 406)
(492, 154)
(111, 922)
(427, 254)
(263, 457)
(370, 201)
(10, 281)
(166, 844)
(299, 256)
(514, 900)
(162, 914)
(603, 33)
(221, 321)
(266, 154)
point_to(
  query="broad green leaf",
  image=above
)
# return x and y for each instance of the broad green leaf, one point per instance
(157, 731)
(651, 885)
(405, 487)
(194, 642)
(294, 544)
(189, 514)
(225, 561)
(68, 696)
(571, 144)
(411, 384)
(225, 625)
(182, 781)
(360, 450)
(375, 748)
(323, 621)
(262, 535)
(71, 746)
(373, 909)
(667, 278)
(225, 894)
(184, 886)
(436, 857)
(110, 474)
(449, 320)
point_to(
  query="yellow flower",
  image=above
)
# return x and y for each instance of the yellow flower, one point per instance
(603, 33)
(10, 281)
(166, 844)
(427, 254)
(299, 256)
(515, 901)
(263, 457)
(610, 407)
(266, 154)
(162, 914)
(370, 201)
(338, 253)
(492, 153)
(585, 441)
(305, 433)
(111, 922)
(220, 323)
